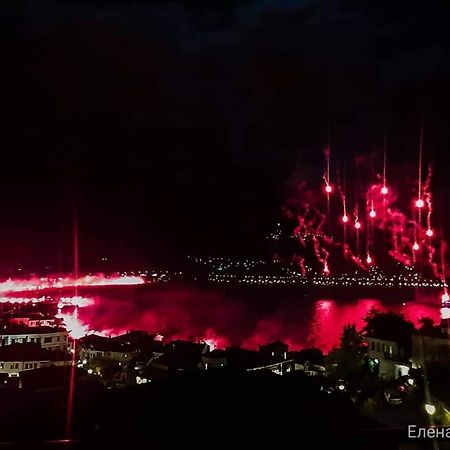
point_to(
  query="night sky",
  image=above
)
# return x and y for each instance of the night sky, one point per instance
(175, 126)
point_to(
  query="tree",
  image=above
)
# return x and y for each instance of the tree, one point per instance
(426, 325)
(347, 361)
(311, 355)
(390, 327)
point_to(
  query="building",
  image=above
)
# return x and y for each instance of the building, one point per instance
(278, 367)
(387, 358)
(33, 320)
(16, 358)
(249, 360)
(49, 338)
(276, 349)
(99, 347)
(430, 347)
(216, 358)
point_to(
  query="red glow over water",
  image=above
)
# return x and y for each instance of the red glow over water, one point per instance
(223, 321)
(219, 318)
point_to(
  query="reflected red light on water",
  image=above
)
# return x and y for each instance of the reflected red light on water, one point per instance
(222, 319)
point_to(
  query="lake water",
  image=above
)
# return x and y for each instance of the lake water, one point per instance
(246, 317)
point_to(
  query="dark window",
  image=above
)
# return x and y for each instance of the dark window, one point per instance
(47, 340)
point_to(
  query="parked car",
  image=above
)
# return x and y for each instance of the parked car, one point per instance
(393, 397)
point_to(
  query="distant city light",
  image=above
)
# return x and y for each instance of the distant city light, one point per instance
(445, 313)
(415, 247)
(384, 190)
(430, 409)
(419, 203)
(372, 213)
(328, 189)
(345, 218)
(429, 232)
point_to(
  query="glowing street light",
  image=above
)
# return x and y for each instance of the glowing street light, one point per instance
(369, 259)
(345, 218)
(429, 232)
(430, 409)
(384, 190)
(328, 189)
(415, 247)
(445, 313)
(372, 214)
(357, 225)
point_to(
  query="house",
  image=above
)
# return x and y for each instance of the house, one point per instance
(98, 347)
(16, 358)
(49, 338)
(33, 320)
(387, 358)
(249, 360)
(431, 346)
(214, 359)
(276, 349)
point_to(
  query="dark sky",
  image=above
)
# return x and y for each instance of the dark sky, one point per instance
(175, 125)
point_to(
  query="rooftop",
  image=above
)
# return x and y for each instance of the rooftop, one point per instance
(23, 329)
(105, 344)
(30, 352)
